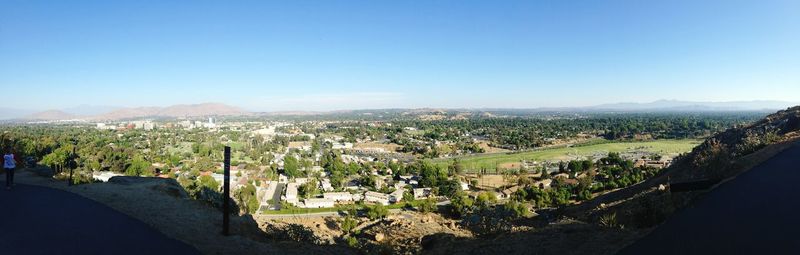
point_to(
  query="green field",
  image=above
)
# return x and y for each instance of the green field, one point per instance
(399, 205)
(491, 161)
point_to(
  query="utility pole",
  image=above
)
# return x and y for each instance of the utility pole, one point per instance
(226, 190)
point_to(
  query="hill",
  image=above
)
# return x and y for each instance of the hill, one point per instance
(190, 110)
(676, 105)
(50, 115)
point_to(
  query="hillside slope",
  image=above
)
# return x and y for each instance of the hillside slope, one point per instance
(719, 157)
(584, 229)
(50, 115)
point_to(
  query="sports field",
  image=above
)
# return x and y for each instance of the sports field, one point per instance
(669, 148)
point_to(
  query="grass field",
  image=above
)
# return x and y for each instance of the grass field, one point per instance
(320, 210)
(668, 148)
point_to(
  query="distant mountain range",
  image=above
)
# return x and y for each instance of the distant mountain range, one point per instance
(104, 113)
(191, 110)
(675, 105)
(175, 111)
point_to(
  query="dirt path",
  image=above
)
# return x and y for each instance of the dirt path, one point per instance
(38, 220)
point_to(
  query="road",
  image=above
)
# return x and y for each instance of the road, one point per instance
(756, 213)
(39, 220)
(312, 215)
(276, 197)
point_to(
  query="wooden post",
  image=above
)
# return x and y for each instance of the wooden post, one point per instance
(226, 190)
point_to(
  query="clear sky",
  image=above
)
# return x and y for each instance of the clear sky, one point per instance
(325, 55)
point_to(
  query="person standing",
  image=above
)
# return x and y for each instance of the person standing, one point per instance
(9, 163)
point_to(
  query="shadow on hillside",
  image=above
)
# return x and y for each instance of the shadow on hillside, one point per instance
(292, 238)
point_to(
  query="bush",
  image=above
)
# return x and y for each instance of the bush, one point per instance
(609, 220)
(377, 211)
(426, 205)
(352, 241)
(516, 209)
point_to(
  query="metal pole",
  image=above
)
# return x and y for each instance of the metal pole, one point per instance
(226, 190)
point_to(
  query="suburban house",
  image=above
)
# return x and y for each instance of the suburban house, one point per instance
(396, 196)
(421, 193)
(507, 193)
(325, 185)
(291, 193)
(543, 184)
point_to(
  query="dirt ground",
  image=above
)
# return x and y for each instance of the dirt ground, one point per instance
(388, 147)
(489, 149)
(490, 181)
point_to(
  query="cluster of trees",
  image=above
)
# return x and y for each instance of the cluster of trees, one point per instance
(608, 173)
(531, 132)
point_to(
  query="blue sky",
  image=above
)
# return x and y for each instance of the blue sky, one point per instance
(326, 55)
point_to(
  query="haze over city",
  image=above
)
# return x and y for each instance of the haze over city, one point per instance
(325, 55)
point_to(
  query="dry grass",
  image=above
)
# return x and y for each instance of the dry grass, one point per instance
(389, 147)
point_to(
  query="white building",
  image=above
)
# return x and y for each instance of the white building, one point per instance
(397, 195)
(543, 184)
(421, 193)
(338, 196)
(318, 203)
(104, 176)
(342, 146)
(325, 184)
(376, 197)
(464, 185)
(291, 193)
(269, 191)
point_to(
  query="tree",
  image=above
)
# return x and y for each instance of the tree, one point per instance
(246, 199)
(455, 168)
(377, 211)
(587, 165)
(407, 196)
(307, 189)
(348, 224)
(461, 205)
(208, 182)
(485, 199)
(516, 209)
(426, 205)
(367, 181)
(575, 166)
(139, 167)
(290, 167)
